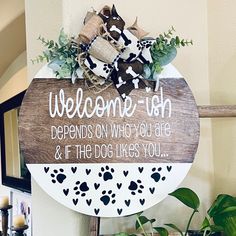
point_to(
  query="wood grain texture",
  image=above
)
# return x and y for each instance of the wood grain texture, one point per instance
(94, 226)
(218, 111)
(35, 124)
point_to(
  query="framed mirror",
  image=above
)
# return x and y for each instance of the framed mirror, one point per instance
(14, 171)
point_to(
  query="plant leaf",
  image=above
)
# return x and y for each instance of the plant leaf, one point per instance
(216, 228)
(177, 40)
(175, 228)
(229, 211)
(162, 231)
(122, 234)
(152, 221)
(205, 224)
(187, 197)
(63, 38)
(222, 202)
(143, 220)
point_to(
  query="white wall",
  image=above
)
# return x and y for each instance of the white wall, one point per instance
(49, 217)
(222, 70)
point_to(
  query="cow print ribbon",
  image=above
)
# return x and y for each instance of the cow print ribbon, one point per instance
(127, 67)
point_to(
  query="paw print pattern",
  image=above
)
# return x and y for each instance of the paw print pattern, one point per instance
(156, 175)
(147, 44)
(135, 187)
(81, 188)
(106, 173)
(58, 176)
(107, 68)
(139, 46)
(108, 197)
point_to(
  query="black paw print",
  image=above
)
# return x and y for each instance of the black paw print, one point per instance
(139, 45)
(147, 44)
(135, 187)
(108, 197)
(156, 174)
(106, 173)
(58, 176)
(81, 187)
(107, 68)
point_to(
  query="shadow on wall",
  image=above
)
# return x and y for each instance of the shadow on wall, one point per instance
(12, 42)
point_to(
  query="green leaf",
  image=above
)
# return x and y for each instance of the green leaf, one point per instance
(162, 231)
(51, 44)
(160, 46)
(175, 228)
(177, 40)
(41, 58)
(69, 60)
(222, 202)
(172, 42)
(216, 228)
(143, 220)
(205, 223)
(63, 38)
(122, 234)
(229, 211)
(152, 221)
(187, 197)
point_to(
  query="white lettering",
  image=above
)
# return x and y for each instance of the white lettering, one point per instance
(86, 107)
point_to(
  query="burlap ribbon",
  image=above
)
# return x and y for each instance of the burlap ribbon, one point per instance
(101, 38)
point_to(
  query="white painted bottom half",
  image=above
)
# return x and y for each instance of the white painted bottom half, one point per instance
(109, 190)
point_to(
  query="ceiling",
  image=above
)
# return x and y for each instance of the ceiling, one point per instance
(12, 32)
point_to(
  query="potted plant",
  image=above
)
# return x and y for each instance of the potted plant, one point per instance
(187, 197)
(221, 217)
(223, 214)
(141, 222)
(190, 199)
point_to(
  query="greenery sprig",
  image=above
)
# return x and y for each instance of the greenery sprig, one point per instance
(164, 50)
(62, 55)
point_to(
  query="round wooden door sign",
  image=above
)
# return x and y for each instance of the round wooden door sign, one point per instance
(103, 156)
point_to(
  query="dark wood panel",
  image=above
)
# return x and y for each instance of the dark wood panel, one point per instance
(180, 146)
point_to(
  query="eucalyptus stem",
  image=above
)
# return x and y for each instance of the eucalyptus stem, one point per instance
(189, 222)
(141, 226)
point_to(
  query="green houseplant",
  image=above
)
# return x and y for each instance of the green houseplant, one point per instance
(190, 199)
(187, 197)
(223, 214)
(221, 217)
(142, 222)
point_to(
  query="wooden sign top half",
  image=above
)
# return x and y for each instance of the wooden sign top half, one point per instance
(62, 122)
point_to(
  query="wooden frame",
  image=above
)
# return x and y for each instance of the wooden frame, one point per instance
(23, 184)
